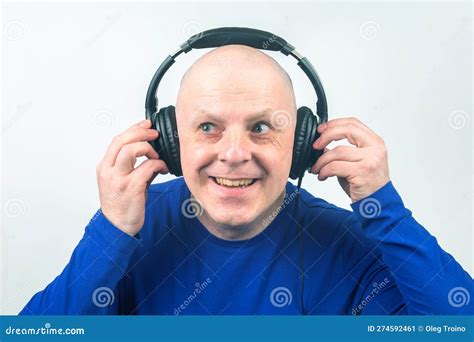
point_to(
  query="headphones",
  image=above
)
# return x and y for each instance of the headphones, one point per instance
(164, 119)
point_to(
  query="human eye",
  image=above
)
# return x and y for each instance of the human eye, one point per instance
(207, 127)
(261, 127)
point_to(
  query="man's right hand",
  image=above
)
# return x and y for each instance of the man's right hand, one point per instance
(122, 187)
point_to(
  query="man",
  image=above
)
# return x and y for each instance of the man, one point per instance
(224, 238)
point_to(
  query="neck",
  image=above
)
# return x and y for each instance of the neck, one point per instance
(242, 232)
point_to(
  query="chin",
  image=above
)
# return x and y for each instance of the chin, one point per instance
(232, 217)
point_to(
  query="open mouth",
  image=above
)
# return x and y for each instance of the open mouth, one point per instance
(234, 183)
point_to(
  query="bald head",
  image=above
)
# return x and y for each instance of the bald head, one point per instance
(236, 66)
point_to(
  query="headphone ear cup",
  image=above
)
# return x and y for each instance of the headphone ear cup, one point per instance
(167, 144)
(304, 155)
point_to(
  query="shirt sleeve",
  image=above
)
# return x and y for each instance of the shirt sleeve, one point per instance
(429, 279)
(89, 282)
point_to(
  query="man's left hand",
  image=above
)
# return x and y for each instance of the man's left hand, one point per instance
(361, 169)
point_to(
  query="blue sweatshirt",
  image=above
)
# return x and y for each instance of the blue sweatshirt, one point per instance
(376, 259)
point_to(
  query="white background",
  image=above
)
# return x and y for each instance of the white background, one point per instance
(75, 75)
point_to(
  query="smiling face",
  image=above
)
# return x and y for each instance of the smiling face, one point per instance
(236, 118)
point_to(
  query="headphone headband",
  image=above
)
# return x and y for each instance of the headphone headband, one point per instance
(258, 39)
(237, 35)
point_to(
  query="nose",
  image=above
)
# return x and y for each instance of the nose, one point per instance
(234, 148)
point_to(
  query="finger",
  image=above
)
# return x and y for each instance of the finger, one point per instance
(354, 134)
(129, 153)
(337, 168)
(344, 121)
(343, 153)
(137, 132)
(148, 170)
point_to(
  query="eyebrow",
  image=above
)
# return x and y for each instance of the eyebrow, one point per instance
(205, 115)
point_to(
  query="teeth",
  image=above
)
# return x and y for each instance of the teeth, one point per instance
(233, 182)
